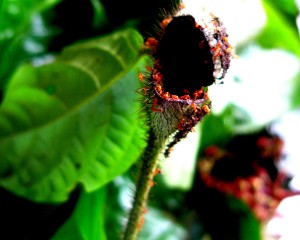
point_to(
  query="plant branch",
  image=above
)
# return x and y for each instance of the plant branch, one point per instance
(147, 172)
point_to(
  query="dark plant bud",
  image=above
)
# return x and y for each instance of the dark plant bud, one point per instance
(189, 55)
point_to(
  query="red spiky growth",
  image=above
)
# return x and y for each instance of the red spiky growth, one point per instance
(246, 169)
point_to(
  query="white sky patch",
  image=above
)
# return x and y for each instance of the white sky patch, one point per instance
(178, 169)
(288, 128)
(237, 15)
(264, 84)
(284, 224)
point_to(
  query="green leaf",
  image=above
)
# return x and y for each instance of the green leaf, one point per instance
(100, 19)
(249, 226)
(230, 121)
(23, 33)
(87, 220)
(278, 32)
(212, 135)
(288, 7)
(72, 121)
(295, 97)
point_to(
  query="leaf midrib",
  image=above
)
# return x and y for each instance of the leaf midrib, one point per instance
(75, 107)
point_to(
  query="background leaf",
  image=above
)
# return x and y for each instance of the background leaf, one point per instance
(231, 120)
(23, 33)
(279, 32)
(295, 97)
(87, 220)
(73, 120)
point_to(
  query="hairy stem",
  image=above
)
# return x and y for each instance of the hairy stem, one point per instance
(147, 170)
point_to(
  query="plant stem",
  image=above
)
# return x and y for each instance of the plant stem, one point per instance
(150, 159)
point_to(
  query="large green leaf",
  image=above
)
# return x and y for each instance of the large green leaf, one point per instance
(87, 220)
(73, 120)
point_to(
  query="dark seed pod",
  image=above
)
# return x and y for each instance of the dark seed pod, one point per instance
(189, 55)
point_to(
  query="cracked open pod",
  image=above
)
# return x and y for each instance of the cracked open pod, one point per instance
(189, 54)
